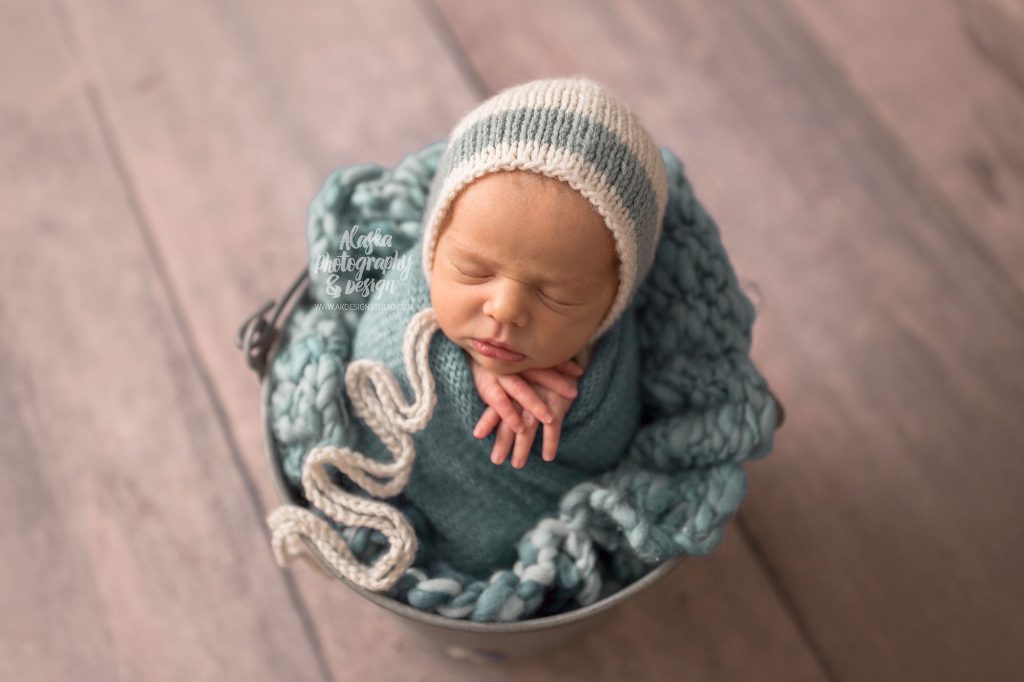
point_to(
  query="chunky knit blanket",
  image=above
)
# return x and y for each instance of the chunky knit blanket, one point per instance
(648, 466)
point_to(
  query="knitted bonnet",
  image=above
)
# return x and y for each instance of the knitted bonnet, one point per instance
(569, 129)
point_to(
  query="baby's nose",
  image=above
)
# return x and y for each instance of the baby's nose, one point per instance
(508, 304)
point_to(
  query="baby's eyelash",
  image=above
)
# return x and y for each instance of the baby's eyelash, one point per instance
(539, 292)
(466, 274)
(554, 300)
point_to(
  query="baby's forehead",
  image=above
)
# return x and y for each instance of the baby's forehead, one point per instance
(533, 189)
(550, 218)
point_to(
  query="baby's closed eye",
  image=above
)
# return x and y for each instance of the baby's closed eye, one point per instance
(472, 275)
(554, 296)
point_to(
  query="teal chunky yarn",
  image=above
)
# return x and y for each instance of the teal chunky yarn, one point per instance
(704, 409)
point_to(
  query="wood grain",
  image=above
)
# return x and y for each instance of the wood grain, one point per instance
(131, 548)
(891, 326)
(952, 98)
(863, 162)
(228, 117)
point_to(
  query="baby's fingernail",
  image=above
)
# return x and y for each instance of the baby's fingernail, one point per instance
(494, 458)
(548, 417)
(548, 456)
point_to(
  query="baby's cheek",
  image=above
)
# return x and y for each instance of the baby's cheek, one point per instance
(439, 302)
(449, 306)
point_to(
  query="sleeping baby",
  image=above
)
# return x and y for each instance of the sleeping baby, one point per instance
(541, 221)
(525, 270)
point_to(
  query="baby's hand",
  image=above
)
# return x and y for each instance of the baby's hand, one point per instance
(557, 388)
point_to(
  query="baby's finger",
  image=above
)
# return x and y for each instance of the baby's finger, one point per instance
(557, 382)
(524, 441)
(502, 443)
(497, 398)
(570, 367)
(519, 389)
(552, 433)
(488, 421)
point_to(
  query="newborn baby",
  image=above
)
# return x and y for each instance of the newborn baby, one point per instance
(542, 219)
(519, 264)
(525, 271)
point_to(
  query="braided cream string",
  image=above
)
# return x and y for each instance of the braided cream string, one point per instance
(378, 399)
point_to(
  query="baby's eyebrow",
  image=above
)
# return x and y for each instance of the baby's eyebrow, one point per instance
(541, 279)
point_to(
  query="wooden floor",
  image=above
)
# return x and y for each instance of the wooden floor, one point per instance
(864, 160)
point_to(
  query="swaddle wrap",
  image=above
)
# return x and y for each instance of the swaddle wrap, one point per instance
(703, 409)
(478, 511)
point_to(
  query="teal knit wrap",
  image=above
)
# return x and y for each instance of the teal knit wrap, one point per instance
(478, 511)
(649, 466)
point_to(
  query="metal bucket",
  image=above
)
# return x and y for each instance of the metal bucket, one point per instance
(258, 338)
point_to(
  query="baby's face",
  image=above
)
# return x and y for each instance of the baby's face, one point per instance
(523, 260)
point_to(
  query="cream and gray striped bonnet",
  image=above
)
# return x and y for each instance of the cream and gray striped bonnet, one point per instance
(570, 129)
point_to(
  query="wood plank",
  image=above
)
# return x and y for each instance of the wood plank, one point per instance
(952, 97)
(896, 340)
(229, 116)
(131, 548)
